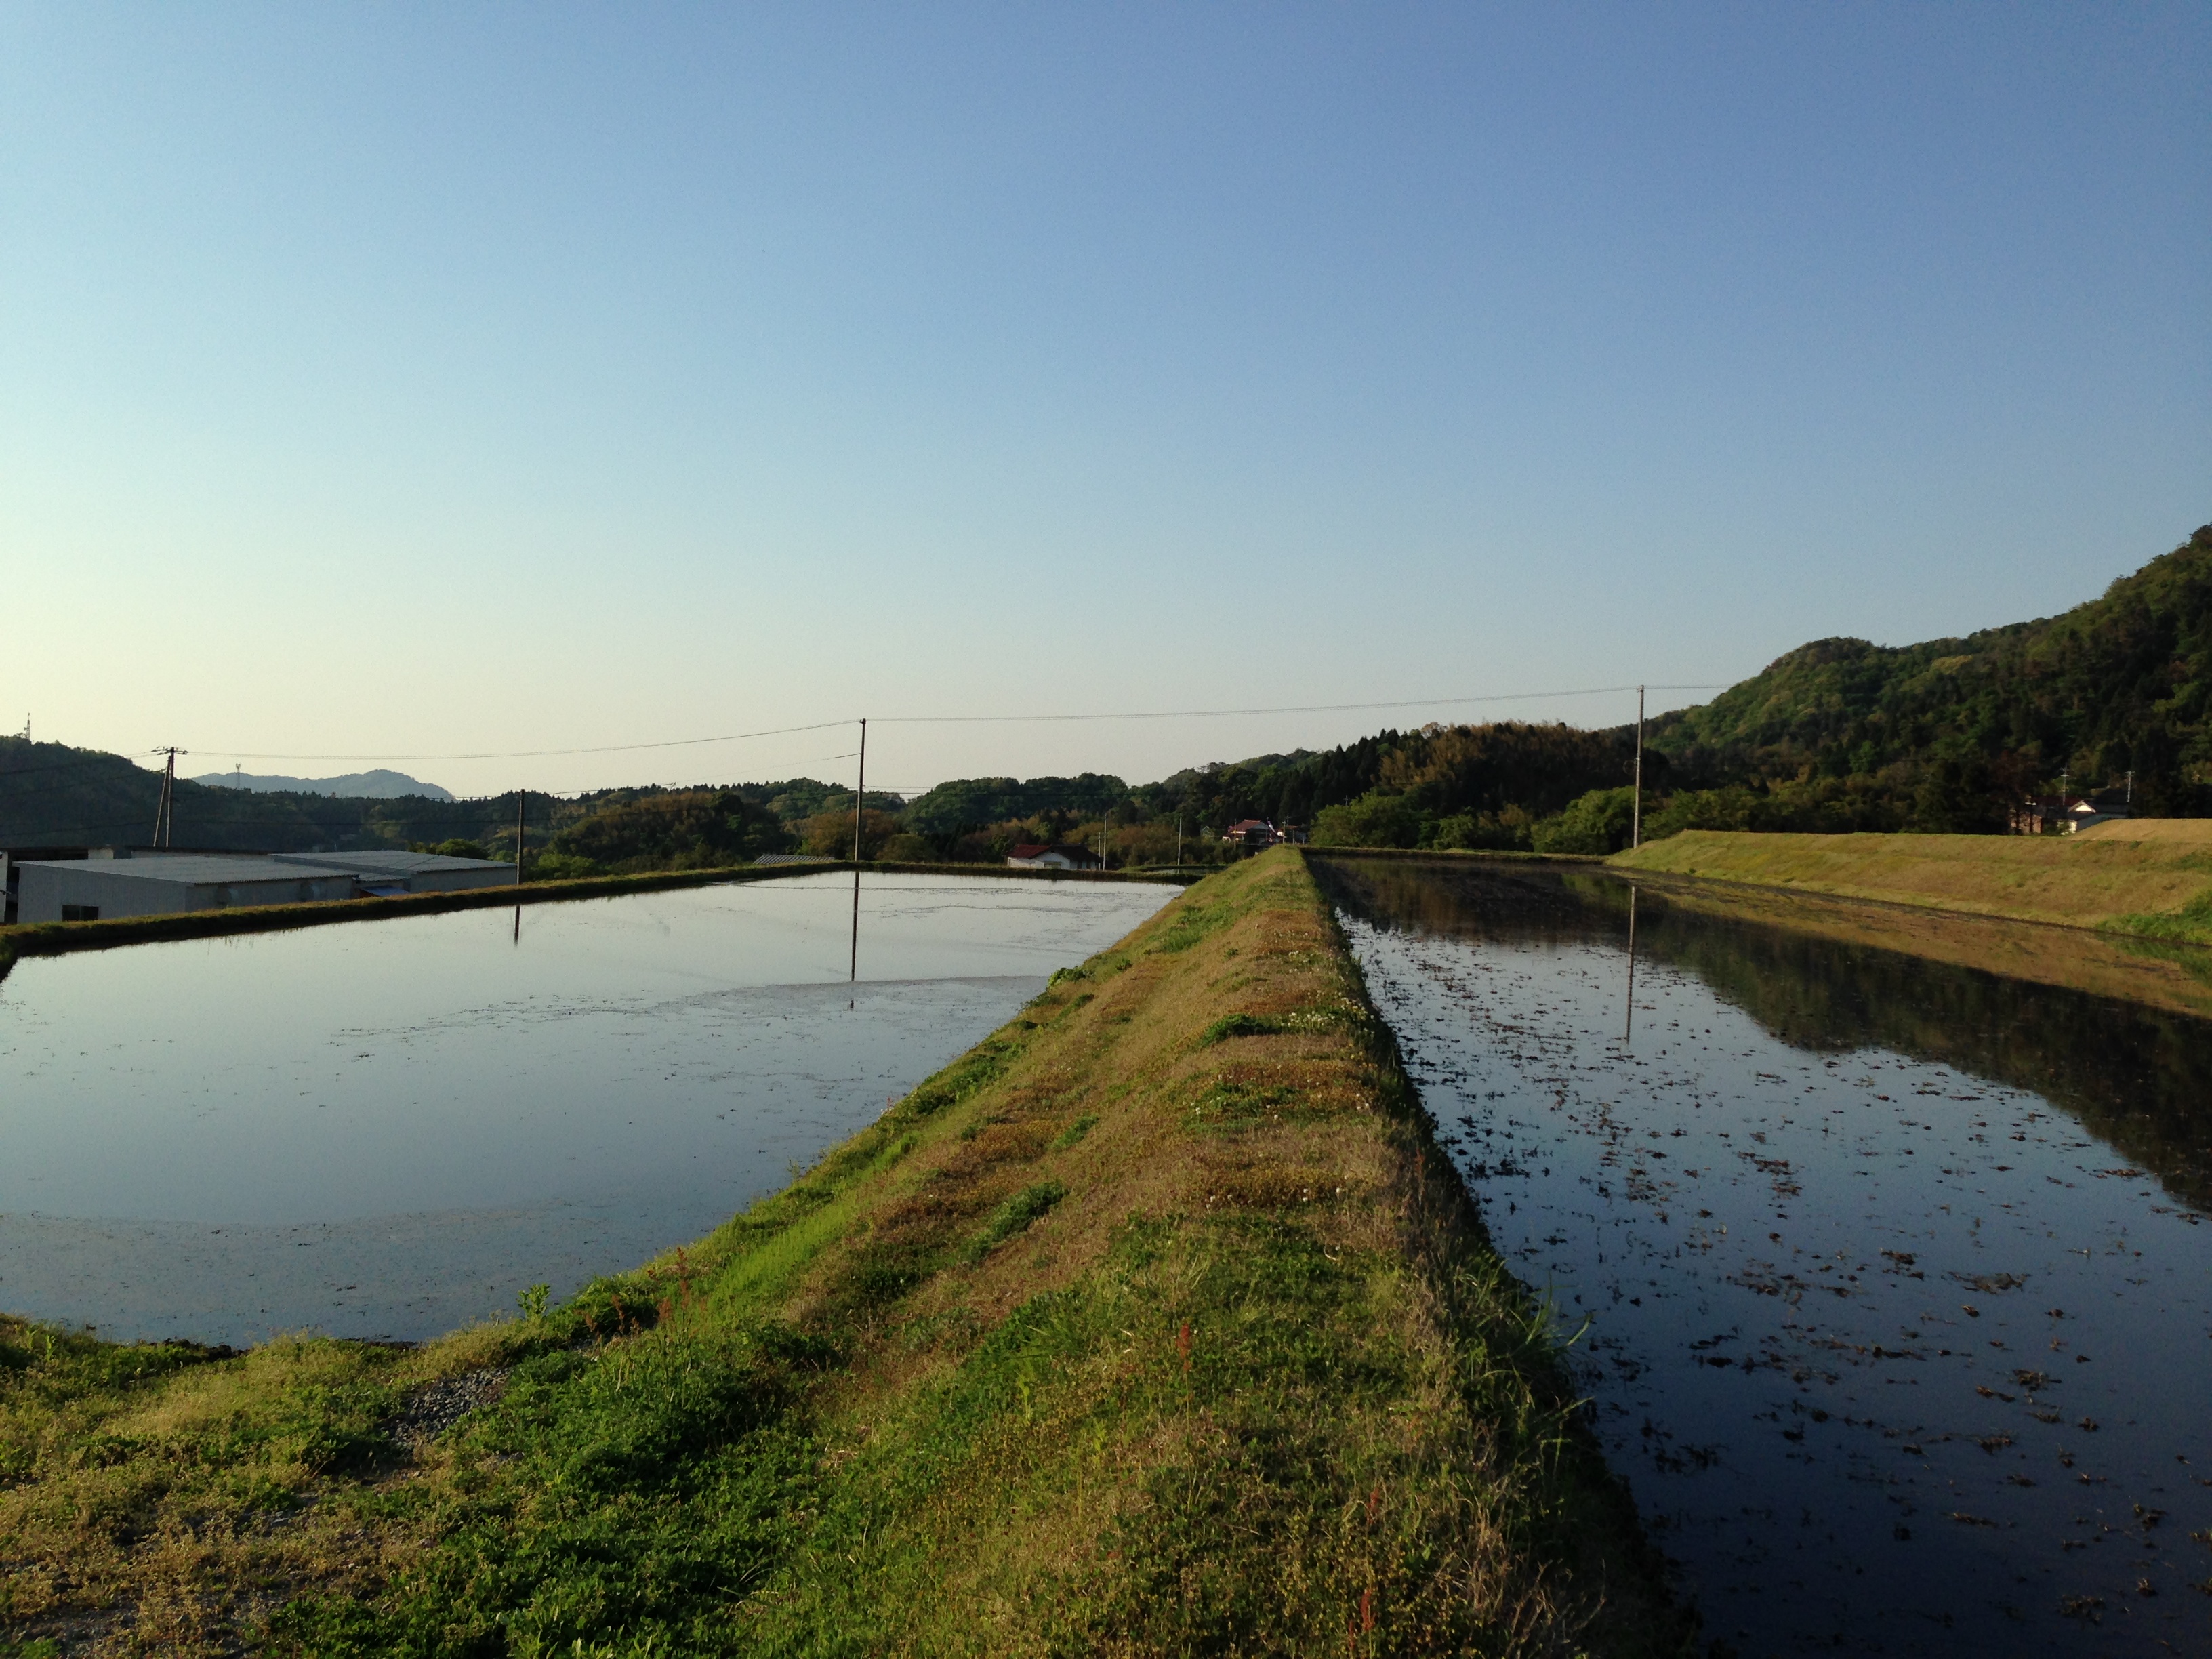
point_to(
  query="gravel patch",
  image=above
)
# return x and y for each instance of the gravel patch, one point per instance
(436, 1406)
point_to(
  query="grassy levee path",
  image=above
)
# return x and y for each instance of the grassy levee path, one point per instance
(1154, 1324)
(2146, 878)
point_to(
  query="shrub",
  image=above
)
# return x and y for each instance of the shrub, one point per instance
(1599, 822)
(453, 848)
(1373, 820)
(562, 867)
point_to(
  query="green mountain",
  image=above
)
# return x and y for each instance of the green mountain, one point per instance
(382, 784)
(54, 796)
(2120, 684)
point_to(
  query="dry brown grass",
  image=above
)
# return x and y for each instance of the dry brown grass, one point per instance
(2113, 876)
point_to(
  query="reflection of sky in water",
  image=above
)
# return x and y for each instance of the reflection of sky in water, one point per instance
(1893, 1358)
(429, 1109)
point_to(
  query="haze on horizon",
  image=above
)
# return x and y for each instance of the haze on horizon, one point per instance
(383, 385)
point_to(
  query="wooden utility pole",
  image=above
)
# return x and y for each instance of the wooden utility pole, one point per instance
(859, 805)
(1636, 818)
(521, 805)
(165, 814)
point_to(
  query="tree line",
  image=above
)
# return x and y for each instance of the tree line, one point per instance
(1948, 735)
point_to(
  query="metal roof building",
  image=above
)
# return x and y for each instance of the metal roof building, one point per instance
(380, 870)
(159, 883)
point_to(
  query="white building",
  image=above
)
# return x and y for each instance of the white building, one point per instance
(1052, 858)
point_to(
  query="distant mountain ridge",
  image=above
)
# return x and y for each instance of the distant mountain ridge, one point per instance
(380, 784)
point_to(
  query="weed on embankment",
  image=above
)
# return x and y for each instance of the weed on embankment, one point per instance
(1053, 1358)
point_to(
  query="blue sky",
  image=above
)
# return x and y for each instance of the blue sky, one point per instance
(410, 381)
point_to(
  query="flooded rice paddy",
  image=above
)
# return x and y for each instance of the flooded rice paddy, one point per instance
(1891, 1277)
(387, 1129)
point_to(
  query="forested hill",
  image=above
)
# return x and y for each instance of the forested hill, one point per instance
(53, 795)
(2121, 683)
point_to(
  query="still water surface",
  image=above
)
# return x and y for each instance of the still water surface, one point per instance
(1895, 1293)
(388, 1128)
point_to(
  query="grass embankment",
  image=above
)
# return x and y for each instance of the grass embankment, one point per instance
(2149, 877)
(1153, 1324)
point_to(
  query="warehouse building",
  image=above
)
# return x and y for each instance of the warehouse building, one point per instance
(382, 873)
(108, 884)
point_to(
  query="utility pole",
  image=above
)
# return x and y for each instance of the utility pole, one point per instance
(521, 804)
(165, 813)
(1636, 813)
(1178, 837)
(859, 805)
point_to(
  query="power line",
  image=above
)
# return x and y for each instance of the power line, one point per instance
(977, 719)
(1286, 708)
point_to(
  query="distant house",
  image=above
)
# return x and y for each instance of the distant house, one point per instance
(2082, 814)
(111, 884)
(1052, 858)
(2065, 815)
(1251, 834)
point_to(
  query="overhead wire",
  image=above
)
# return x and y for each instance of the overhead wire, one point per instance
(974, 719)
(460, 814)
(1285, 709)
(532, 754)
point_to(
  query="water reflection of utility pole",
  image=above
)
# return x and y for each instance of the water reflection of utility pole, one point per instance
(521, 807)
(1628, 1027)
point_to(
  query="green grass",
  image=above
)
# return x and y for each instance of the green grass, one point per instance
(1016, 1215)
(1039, 1362)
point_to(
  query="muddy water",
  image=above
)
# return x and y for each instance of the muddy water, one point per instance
(1892, 1286)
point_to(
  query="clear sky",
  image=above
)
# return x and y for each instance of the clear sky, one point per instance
(410, 380)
